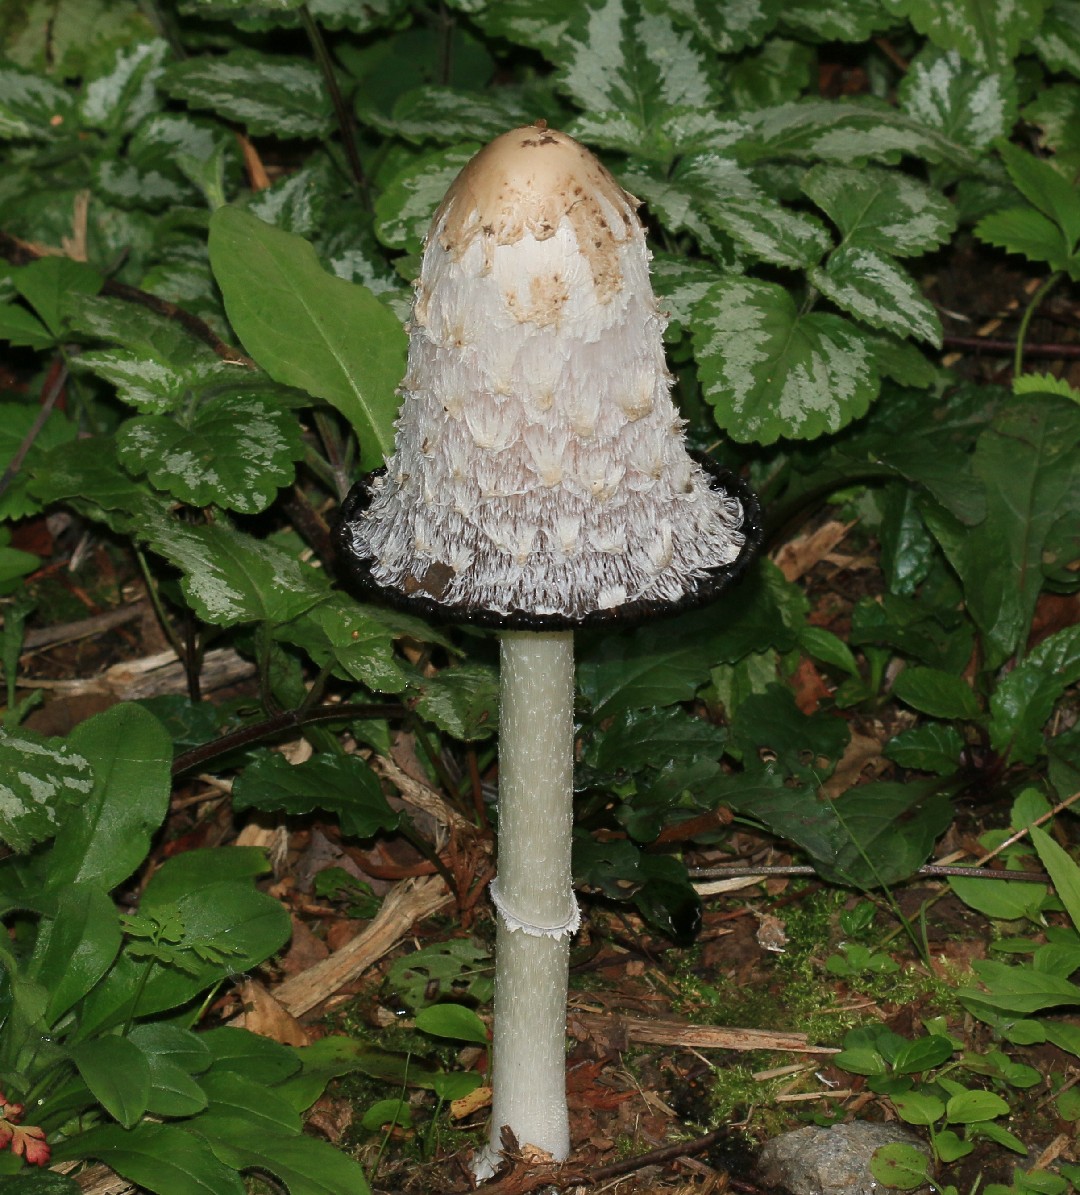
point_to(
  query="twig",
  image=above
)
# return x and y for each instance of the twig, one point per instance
(1007, 348)
(83, 628)
(47, 404)
(658, 1157)
(927, 869)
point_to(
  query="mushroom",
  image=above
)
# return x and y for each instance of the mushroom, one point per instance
(540, 483)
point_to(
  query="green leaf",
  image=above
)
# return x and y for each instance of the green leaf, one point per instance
(76, 946)
(872, 287)
(193, 869)
(637, 739)
(1058, 39)
(181, 1047)
(163, 1158)
(340, 784)
(1045, 188)
(931, 691)
(306, 1166)
(108, 836)
(780, 71)
(452, 1020)
(901, 1166)
(32, 107)
(1001, 900)
(307, 328)
(986, 32)
(456, 1084)
(932, 747)
(1062, 870)
(728, 28)
(1025, 698)
(922, 1054)
(462, 701)
(770, 371)
(524, 23)
(968, 1107)
(23, 329)
(236, 452)
(443, 970)
(271, 96)
(644, 85)
(408, 200)
(260, 1059)
(117, 100)
(918, 1107)
(118, 1075)
(1018, 989)
(969, 104)
(851, 21)
(42, 779)
(48, 283)
(434, 113)
(236, 1099)
(39, 1182)
(881, 209)
(1022, 230)
(387, 1112)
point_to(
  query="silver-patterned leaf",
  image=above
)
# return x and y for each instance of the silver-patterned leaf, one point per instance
(524, 22)
(680, 283)
(874, 288)
(31, 107)
(839, 20)
(118, 100)
(728, 27)
(270, 97)
(985, 32)
(404, 209)
(849, 133)
(1058, 40)
(881, 209)
(446, 114)
(235, 452)
(969, 104)
(769, 371)
(38, 777)
(679, 210)
(123, 183)
(779, 72)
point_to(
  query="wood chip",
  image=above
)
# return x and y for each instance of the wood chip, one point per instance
(799, 555)
(159, 673)
(406, 903)
(647, 1031)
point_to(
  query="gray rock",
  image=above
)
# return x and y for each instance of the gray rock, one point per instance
(832, 1161)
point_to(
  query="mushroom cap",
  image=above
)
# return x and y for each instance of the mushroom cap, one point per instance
(540, 477)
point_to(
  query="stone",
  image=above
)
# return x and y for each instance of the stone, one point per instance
(830, 1161)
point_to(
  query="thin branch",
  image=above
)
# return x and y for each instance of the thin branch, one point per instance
(928, 869)
(47, 403)
(1007, 348)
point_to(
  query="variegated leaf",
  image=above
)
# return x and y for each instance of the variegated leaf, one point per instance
(985, 32)
(769, 371)
(235, 452)
(872, 287)
(644, 85)
(849, 133)
(1056, 111)
(969, 104)
(680, 283)
(270, 97)
(839, 20)
(779, 72)
(119, 100)
(540, 26)
(881, 209)
(404, 209)
(1058, 40)
(38, 777)
(31, 106)
(728, 28)
(449, 115)
(680, 210)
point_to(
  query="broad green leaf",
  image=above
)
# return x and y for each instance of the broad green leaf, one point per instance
(1026, 231)
(455, 1085)
(901, 1166)
(250, 1105)
(307, 328)
(1045, 188)
(1058, 39)
(76, 946)
(236, 452)
(32, 107)
(173, 1092)
(446, 114)
(181, 1047)
(260, 1059)
(881, 209)
(440, 970)
(269, 96)
(194, 869)
(931, 691)
(637, 739)
(1001, 900)
(117, 100)
(42, 779)
(48, 283)
(1025, 698)
(305, 1165)
(847, 133)
(969, 1107)
(462, 701)
(874, 288)
(662, 665)
(23, 329)
(452, 1020)
(770, 371)
(830, 649)
(117, 1073)
(644, 85)
(163, 1158)
(1018, 989)
(340, 784)
(918, 1107)
(728, 28)
(108, 836)
(932, 747)
(156, 384)
(846, 20)
(779, 72)
(524, 22)
(387, 1112)
(407, 202)
(922, 1054)
(39, 1182)
(679, 283)
(1056, 111)
(985, 32)
(770, 726)
(1062, 870)
(336, 1055)
(969, 104)
(231, 577)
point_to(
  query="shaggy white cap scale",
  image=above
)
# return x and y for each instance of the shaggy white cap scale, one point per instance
(540, 464)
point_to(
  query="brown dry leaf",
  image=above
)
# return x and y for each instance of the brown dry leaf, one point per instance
(800, 555)
(862, 752)
(266, 1016)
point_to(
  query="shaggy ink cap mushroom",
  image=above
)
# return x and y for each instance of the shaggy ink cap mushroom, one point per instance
(540, 478)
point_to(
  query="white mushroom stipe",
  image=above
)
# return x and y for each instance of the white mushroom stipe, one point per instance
(535, 329)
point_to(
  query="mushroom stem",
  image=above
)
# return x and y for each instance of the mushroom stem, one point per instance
(537, 912)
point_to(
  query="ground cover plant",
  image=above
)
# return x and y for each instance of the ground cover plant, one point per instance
(865, 227)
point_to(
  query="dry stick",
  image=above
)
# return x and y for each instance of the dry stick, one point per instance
(83, 628)
(47, 404)
(928, 869)
(1007, 348)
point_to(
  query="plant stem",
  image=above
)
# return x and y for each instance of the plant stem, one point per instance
(1029, 311)
(533, 893)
